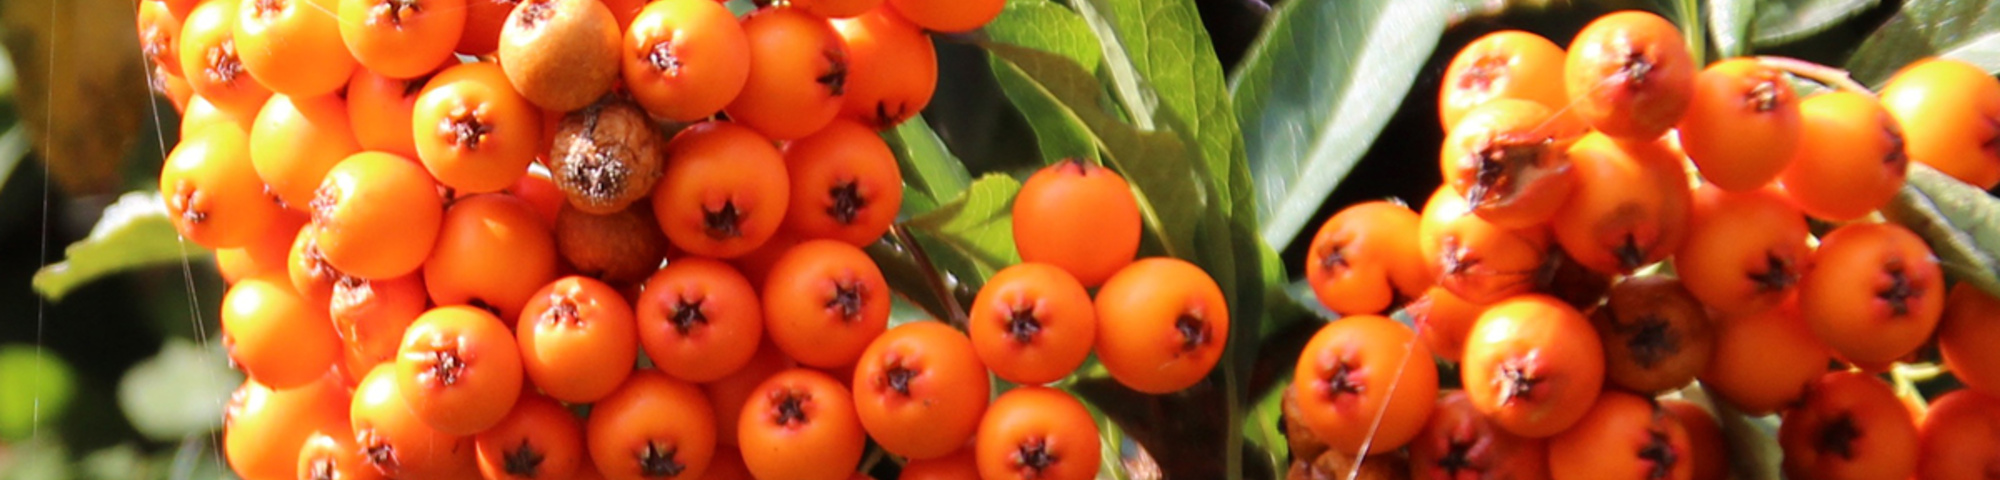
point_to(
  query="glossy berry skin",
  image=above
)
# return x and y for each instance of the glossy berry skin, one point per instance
(1508, 159)
(275, 336)
(845, 184)
(212, 192)
(824, 301)
(1032, 323)
(1366, 257)
(1745, 251)
(1852, 160)
(1959, 437)
(1533, 365)
(1079, 216)
(724, 192)
(1474, 259)
(1966, 336)
(949, 16)
(1849, 426)
(577, 339)
(1742, 126)
(1505, 64)
(377, 215)
(1460, 443)
(1763, 361)
(1875, 292)
(1624, 436)
(1161, 325)
(919, 390)
(293, 47)
(1363, 382)
(699, 320)
(798, 74)
(1630, 208)
(460, 369)
(685, 59)
(894, 68)
(1037, 433)
(632, 436)
(801, 424)
(1958, 105)
(1629, 75)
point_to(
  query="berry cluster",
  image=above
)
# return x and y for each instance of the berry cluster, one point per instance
(620, 239)
(1574, 269)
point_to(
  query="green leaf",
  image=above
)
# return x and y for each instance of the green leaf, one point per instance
(1959, 221)
(978, 225)
(13, 148)
(1924, 28)
(181, 391)
(133, 232)
(930, 173)
(1781, 21)
(122, 461)
(1729, 24)
(1176, 67)
(1261, 428)
(39, 458)
(39, 386)
(1061, 101)
(1311, 101)
(1047, 26)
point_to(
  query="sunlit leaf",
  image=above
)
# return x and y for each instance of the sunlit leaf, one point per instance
(1047, 26)
(978, 224)
(1061, 101)
(133, 232)
(1172, 65)
(1315, 92)
(931, 174)
(1729, 26)
(1782, 21)
(1959, 221)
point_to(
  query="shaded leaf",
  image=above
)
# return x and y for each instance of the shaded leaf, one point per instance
(1959, 221)
(1311, 99)
(1924, 28)
(1781, 21)
(1262, 427)
(1176, 69)
(181, 391)
(931, 174)
(13, 149)
(1061, 101)
(1047, 26)
(1729, 25)
(133, 232)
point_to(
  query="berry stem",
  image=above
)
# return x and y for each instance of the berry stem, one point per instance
(903, 261)
(1824, 75)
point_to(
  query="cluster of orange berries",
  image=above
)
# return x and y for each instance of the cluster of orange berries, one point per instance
(1540, 270)
(619, 239)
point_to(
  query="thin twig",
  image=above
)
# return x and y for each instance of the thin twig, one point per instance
(944, 292)
(1821, 74)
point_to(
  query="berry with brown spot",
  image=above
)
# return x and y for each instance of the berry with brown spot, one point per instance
(561, 54)
(606, 156)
